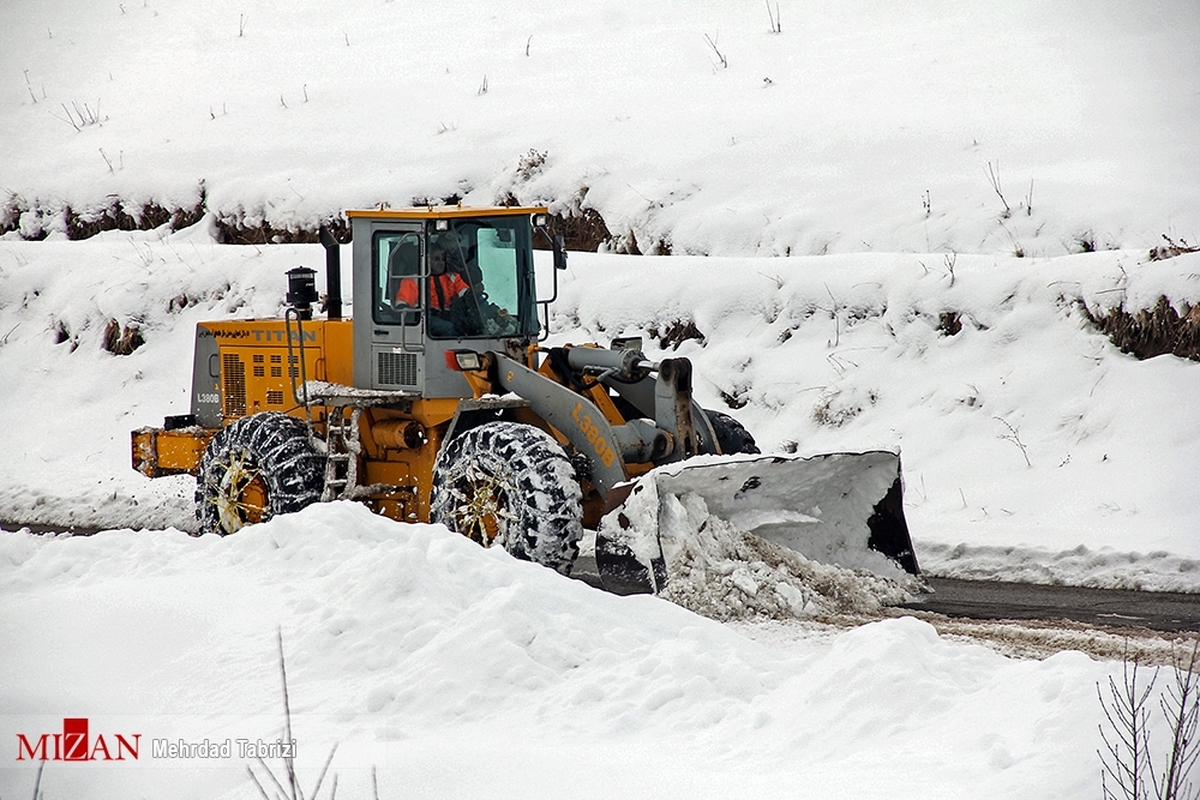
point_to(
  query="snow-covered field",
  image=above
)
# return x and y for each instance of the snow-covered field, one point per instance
(829, 196)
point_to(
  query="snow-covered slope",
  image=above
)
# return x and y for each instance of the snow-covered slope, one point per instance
(858, 125)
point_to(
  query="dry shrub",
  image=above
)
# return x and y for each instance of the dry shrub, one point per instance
(581, 230)
(675, 334)
(86, 224)
(1152, 332)
(114, 215)
(121, 341)
(1171, 249)
(233, 230)
(949, 323)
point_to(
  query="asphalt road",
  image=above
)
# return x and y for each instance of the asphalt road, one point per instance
(996, 600)
(1162, 611)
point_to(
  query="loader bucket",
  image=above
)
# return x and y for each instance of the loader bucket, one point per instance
(839, 508)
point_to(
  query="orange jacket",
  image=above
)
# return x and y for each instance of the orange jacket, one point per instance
(443, 289)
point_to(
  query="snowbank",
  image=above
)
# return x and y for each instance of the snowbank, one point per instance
(457, 670)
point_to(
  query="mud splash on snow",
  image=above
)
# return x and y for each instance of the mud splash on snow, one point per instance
(725, 573)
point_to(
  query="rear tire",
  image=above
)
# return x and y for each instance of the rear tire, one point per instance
(255, 468)
(511, 485)
(732, 437)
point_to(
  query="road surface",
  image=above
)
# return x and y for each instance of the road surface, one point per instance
(1163, 611)
(996, 600)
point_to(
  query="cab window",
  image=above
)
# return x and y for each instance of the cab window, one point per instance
(396, 257)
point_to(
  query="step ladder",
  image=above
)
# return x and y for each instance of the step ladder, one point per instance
(341, 459)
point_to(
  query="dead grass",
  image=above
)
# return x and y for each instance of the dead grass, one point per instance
(121, 341)
(1171, 249)
(115, 214)
(1147, 333)
(675, 334)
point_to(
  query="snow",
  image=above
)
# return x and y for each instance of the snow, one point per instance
(828, 196)
(460, 671)
(858, 126)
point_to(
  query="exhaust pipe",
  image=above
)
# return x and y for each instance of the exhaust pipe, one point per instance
(333, 274)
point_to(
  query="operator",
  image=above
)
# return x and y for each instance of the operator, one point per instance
(458, 306)
(445, 286)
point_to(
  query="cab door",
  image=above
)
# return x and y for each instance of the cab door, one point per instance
(389, 259)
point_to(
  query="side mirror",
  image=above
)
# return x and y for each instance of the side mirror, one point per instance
(560, 255)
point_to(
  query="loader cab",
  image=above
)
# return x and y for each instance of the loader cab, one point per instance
(437, 279)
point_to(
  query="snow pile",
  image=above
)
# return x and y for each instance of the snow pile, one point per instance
(1103, 567)
(720, 571)
(457, 671)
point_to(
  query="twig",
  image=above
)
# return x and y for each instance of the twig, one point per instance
(994, 177)
(70, 119)
(776, 27)
(1014, 437)
(287, 717)
(271, 775)
(1018, 248)
(324, 769)
(837, 318)
(1179, 706)
(1125, 757)
(713, 45)
(258, 785)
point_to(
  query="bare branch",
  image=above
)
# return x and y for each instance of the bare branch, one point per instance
(993, 171)
(287, 717)
(720, 56)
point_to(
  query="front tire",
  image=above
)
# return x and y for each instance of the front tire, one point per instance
(255, 468)
(732, 436)
(511, 485)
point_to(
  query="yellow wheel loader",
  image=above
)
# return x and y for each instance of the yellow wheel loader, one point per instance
(437, 403)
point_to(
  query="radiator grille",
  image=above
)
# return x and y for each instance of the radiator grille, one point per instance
(398, 369)
(274, 397)
(233, 373)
